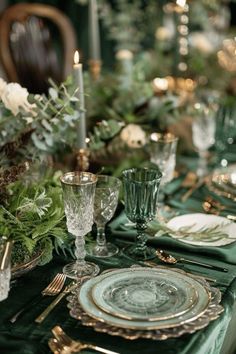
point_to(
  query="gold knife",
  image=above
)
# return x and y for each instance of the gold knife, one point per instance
(44, 314)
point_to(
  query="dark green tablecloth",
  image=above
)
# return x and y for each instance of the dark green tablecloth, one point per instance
(27, 337)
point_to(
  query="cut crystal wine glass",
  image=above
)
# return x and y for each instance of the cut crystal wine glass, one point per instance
(203, 134)
(105, 204)
(163, 154)
(141, 187)
(78, 192)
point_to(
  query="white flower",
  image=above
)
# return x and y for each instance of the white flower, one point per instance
(15, 97)
(201, 42)
(124, 54)
(133, 135)
(3, 85)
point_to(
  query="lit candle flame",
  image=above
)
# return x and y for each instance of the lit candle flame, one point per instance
(76, 57)
(181, 3)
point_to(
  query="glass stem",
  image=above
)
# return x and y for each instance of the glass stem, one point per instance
(80, 251)
(141, 236)
(101, 237)
(202, 166)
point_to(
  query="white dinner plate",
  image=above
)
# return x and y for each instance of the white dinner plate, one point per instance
(199, 221)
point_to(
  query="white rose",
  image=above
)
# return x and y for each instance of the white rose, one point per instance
(15, 97)
(201, 42)
(133, 135)
(3, 85)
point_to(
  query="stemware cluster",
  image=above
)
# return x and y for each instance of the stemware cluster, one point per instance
(87, 199)
(92, 199)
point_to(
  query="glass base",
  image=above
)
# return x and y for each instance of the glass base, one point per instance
(89, 269)
(108, 250)
(133, 252)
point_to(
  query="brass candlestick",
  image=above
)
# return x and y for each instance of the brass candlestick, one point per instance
(95, 68)
(82, 160)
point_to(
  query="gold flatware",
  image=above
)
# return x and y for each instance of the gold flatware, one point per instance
(45, 313)
(211, 208)
(191, 190)
(53, 288)
(168, 258)
(189, 180)
(215, 203)
(63, 344)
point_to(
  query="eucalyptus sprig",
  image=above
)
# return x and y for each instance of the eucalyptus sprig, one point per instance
(205, 234)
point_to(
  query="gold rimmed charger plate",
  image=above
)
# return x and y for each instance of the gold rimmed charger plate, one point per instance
(212, 311)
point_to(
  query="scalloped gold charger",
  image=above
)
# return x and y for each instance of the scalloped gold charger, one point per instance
(198, 316)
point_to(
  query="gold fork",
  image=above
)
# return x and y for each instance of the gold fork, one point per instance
(53, 288)
(62, 344)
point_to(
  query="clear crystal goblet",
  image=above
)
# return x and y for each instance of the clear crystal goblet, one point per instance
(203, 134)
(78, 194)
(105, 204)
(141, 188)
(162, 149)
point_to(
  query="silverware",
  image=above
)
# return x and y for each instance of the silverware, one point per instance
(62, 343)
(53, 288)
(167, 258)
(45, 313)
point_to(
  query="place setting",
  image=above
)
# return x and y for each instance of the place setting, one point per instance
(117, 177)
(141, 302)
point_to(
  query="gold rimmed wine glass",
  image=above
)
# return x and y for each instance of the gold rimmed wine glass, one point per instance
(78, 194)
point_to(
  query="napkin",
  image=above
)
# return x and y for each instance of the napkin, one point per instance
(225, 254)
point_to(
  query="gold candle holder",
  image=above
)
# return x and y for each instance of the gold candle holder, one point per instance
(82, 160)
(95, 67)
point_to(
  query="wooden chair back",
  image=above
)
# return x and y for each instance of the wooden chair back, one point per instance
(27, 51)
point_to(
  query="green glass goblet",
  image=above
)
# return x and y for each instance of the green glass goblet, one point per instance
(141, 188)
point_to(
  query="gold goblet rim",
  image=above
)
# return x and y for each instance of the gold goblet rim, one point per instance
(92, 178)
(163, 138)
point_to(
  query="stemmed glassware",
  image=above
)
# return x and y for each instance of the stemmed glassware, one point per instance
(203, 134)
(78, 192)
(162, 149)
(163, 154)
(141, 187)
(106, 200)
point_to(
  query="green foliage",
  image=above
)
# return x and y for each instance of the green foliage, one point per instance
(34, 132)
(104, 131)
(33, 217)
